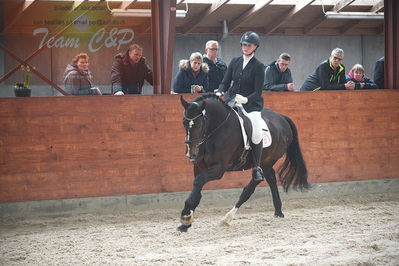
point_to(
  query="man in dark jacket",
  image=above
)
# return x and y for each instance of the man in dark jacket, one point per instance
(217, 68)
(379, 73)
(329, 75)
(278, 76)
(129, 71)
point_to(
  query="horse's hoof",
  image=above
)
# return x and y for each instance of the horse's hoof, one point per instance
(183, 228)
(279, 215)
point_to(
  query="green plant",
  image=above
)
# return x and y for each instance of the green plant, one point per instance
(25, 83)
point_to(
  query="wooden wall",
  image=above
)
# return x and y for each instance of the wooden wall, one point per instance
(68, 147)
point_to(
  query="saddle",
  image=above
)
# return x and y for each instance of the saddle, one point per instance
(246, 129)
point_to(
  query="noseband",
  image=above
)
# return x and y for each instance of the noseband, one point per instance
(203, 137)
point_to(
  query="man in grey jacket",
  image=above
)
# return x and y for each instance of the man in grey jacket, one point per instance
(278, 76)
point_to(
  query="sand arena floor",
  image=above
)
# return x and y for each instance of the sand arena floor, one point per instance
(350, 230)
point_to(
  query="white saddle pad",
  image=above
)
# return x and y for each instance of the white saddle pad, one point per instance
(267, 138)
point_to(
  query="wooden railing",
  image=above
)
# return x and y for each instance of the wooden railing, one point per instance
(90, 146)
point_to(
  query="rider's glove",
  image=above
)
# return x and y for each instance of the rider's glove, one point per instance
(119, 93)
(240, 99)
(218, 93)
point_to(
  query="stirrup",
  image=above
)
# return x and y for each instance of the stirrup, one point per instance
(257, 174)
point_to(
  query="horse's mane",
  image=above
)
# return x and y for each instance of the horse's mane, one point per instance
(210, 95)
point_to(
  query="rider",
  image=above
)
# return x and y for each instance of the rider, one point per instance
(247, 74)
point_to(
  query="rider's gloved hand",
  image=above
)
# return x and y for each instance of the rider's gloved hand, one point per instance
(218, 93)
(240, 99)
(119, 93)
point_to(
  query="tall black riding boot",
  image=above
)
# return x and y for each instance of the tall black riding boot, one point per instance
(257, 173)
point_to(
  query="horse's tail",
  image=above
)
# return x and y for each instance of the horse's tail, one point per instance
(293, 170)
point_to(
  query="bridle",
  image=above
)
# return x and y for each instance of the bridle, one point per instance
(203, 136)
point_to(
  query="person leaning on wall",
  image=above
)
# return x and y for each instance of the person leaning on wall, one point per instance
(278, 76)
(378, 76)
(129, 70)
(362, 82)
(192, 76)
(78, 78)
(217, 68)
(329, 75)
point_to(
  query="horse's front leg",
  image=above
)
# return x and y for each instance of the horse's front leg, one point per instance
(193, 200)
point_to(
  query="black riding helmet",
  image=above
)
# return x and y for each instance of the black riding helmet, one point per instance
(250, 37)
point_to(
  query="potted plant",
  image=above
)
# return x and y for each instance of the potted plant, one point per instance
(22, 89)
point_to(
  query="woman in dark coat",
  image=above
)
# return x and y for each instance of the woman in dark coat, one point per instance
(362, 82)
(243, 82)
(78, 78)
(193, 72)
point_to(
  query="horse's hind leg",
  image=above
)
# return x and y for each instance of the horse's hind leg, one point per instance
(245, 195)
(270, 176)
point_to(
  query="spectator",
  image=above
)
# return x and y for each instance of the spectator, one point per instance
(379, 73)
(362, 82)
(243, 82)
(278, 76)
(192, 76)
(129, 71)
(329, 75)
(78, 78)
(217, 67)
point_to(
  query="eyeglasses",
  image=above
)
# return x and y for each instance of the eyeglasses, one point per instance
(212, 49)
(337, 58)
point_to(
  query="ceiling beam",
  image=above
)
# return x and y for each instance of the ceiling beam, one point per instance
(287, 16)
(351, 24)
(312, 25)
(378, 6)
(126, 4)
(21, 11)
(247, 14)
(341, 5)
(200, 17)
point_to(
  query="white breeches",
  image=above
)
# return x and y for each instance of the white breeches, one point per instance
(257, 122)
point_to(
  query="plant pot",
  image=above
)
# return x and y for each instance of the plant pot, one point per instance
(22, 92)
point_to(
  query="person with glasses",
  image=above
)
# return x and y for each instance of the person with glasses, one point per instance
(278, 76)
(217, 68)
(329, 75)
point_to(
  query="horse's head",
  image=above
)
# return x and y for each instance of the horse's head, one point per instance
(194, 121)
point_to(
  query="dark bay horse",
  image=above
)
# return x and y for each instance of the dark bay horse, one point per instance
(214, 144)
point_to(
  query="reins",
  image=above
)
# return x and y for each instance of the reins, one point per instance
(204, 137)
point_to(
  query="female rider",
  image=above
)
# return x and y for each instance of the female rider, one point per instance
(247, 74)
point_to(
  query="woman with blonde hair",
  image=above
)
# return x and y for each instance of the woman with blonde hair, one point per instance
(362, 82)
(78, 78)
(192, 76)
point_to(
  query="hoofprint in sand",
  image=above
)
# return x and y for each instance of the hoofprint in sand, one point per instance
(348, 230)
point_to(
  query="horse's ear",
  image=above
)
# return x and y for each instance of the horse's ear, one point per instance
(183, 102)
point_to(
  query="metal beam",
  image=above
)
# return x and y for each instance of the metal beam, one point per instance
(249, 13)
(341, 5)
(283, 18)
(208, 11)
